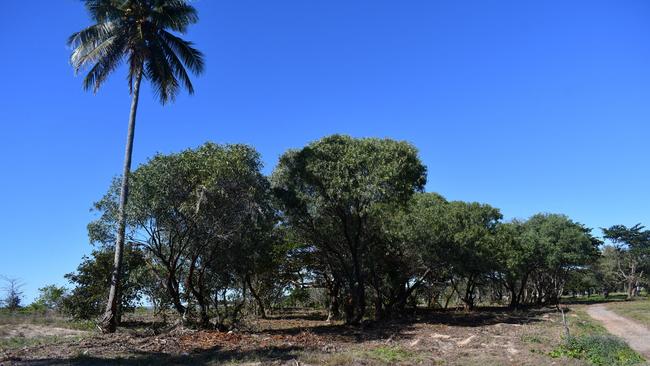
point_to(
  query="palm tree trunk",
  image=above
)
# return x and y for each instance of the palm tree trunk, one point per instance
(110, 319)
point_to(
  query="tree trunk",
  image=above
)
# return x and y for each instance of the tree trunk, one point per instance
(109, 320)
(359, 296)
(333, 292)
(261, 309)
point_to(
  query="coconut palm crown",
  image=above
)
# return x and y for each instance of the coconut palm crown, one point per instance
(140, 33)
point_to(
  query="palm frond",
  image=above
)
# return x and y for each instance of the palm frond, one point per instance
(174, 14)
(91, 34)
(105, 65)
(103, 10)
(160, 74)
(93, 51)
(191, 57)
(177, 66)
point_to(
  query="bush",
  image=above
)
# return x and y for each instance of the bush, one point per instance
(600, 350)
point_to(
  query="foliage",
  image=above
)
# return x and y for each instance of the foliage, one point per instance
(472, 228)
(92, 280)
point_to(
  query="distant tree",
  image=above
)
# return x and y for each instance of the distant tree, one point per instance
(584, 280)
(633, 249)
(329, 191)
(140, 32)
(13, 293)
(51, 297)
(607, 270)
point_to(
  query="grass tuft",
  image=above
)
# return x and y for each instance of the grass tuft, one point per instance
(390, 354)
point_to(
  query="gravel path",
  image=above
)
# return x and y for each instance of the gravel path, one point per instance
(635, 334)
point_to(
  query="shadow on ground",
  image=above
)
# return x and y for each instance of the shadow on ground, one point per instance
(209, 357)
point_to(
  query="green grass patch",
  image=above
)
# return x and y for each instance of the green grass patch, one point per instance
(599, 350)
(582, 324)
(390, 354)
(534, 338)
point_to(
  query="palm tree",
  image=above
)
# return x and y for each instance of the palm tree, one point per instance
(138, 32)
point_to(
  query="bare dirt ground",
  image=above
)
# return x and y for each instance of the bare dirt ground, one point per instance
(35, 330)
(635, 334)
(433, 338)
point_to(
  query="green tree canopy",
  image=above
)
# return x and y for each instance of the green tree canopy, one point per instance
(329, 191)
(205, 219)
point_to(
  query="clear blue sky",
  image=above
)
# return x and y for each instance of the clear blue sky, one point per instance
(527, 105)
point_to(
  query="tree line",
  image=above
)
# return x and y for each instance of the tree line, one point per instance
(343, 223)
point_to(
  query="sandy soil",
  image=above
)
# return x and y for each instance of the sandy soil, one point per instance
(35, 331)
(635, 334)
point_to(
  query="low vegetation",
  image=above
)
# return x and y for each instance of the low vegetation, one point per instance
(599, 350)
(590, 341)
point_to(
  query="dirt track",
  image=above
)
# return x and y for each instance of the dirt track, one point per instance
(636, 335)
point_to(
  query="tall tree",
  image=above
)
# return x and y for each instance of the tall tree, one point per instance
(330, 191)
(205, 221)
(140, 32)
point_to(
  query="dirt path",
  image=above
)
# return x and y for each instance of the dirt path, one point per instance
(635, 334)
